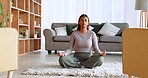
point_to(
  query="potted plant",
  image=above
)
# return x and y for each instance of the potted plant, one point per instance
(4, 17)
(12, 1)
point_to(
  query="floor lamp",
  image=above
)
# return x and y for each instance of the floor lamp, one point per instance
(143, 6)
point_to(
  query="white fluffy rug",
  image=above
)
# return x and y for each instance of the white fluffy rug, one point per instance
(107, 70)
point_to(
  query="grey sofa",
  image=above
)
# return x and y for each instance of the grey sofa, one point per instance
(108, 43)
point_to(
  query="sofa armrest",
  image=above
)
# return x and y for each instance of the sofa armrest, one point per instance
(49, 33)
(53, 32)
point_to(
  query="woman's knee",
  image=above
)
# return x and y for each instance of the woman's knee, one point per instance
(99, 61)
(101, 58)
(61, 61)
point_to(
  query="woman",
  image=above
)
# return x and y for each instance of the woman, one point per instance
(82, 41)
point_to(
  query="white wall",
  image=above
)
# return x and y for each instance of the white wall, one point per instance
(131, 15)
(45, 14)
(45, 18)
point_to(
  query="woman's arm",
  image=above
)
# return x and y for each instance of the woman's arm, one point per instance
(95, 43)
(95, 46)
(71, 45)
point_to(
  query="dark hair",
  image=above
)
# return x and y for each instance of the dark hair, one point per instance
(83, 15)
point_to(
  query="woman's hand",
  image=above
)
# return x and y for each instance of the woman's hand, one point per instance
(60, 54)
(103, 53)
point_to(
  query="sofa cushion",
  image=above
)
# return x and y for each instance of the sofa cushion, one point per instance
(119, 33)
(122, 26)
(97, 27)
(61, 31)
(109, 30)
(61, 38)
(69, 28)
(110, 39)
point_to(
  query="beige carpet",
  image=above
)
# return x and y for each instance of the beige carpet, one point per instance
(107, 70)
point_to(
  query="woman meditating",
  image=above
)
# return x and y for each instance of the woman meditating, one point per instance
(82, 41)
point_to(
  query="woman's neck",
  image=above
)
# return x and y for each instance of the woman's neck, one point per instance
(83, 30)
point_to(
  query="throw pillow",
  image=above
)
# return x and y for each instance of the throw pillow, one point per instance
(69, 28)
(119, 33)
(97, 28)
(90, 28)
(61, 31)
(109, 30)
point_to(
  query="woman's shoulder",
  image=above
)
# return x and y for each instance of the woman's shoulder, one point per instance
(89, 32)
(92, 32)
(75, 32)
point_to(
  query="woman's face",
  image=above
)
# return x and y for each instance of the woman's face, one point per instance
(83, 22)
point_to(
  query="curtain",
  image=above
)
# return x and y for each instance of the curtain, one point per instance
(97, 10)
